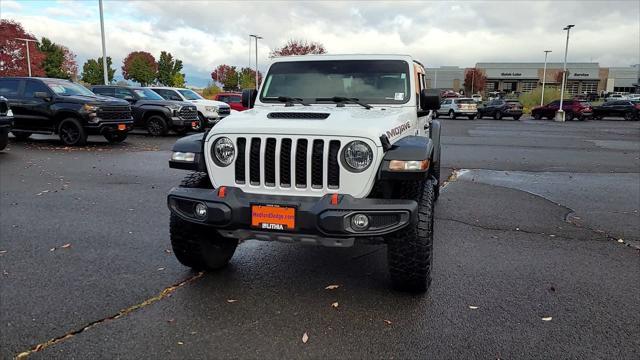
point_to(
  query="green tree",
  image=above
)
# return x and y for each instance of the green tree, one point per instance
(248, 78)
(177, 80)
(54, 57)
(141, 67)
(169, 69)
(210, 91)
(92, 71)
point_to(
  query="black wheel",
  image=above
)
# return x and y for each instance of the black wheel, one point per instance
(202, 123)
(409, 251)
(115, 137)
(497, 115)
(629, 116)
(517, 117)
(72, 133)
(435, 115)
(21, 136)
(569, 116)
(4, 139)
(480, 115)
(199, 246)
(471, 117)
(452, 115)
(156, 126)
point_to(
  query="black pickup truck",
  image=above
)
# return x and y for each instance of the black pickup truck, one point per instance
(629, 110)
(55, 106)
(152, 112)
(6, 121)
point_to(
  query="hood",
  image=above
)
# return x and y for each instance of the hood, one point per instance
(207, 102)
(163, 102)
(94, 99)
(322, 120)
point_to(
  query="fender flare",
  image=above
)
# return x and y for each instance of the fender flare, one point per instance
(408, 148)
(190, 144)
(434, 135)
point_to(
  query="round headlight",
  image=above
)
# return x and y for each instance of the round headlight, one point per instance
(223, 151)
(357, 156)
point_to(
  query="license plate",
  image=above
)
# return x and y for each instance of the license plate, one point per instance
(122, 127)
(273, 217)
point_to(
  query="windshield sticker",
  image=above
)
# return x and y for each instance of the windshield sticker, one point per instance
(399, 96)
(398, 130)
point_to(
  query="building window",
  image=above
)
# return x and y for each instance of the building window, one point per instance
(490, 86)
(589, 86)
(528, 86)
(573, 87)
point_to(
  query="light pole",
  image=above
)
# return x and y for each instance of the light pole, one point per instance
(544, 76)
(104, 47)
(256, 37)
(26, 42)
(560, 113)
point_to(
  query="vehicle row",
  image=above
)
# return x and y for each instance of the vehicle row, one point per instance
(583, 110)
(468, 107)
(73, 112)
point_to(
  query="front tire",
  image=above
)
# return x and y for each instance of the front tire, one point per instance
(4, 139)
(410, 250)
(452, 115)
(156, 126)
(199, 246)
(497, 115)
(72, 133)
(629, 116)
(517, 117)
(202, 123)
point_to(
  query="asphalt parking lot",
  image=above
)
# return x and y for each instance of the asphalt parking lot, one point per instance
(537, 255)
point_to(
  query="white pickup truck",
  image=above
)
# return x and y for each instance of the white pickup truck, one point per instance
(209, 111)
(335, 149)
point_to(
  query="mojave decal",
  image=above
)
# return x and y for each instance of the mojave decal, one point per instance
(398, 130)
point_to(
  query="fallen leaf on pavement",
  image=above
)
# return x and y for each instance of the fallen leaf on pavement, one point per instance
(52, 249)
(167, 251)
(472, 307)
(180, 343)
(335, 305)
(65, 246)
(548, 318)
(231, 300)
(388, 322)
(160, 269)
(3, 252)
(332, 287)
(305, 338)
(170, 320)
(620, 240)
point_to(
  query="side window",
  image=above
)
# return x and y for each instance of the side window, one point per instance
(236, 99)
(9, 88)
(34, 86)
(122, 93)
(223, 98)
(168, 94)
(554, 103)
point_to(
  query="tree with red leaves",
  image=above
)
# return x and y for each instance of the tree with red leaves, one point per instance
(299, 47)
(141, 67)
(227, 76)
(474, 78)
(13, 53)
(558, 76)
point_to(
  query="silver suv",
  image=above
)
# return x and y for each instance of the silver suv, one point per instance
(454, 107)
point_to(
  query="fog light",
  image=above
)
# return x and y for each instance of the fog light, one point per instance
(360, 222)
(201, 210)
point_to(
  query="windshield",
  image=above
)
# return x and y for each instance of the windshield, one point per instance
(147, 94)
(69, 88)
(370, 81)
(190, 94)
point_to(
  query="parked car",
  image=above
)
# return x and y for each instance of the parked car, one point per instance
(574, 109)
(454, 107)
(616, 96)
(477, 98)
(323, 171)
(6, 122)
(629, 110)
(152, 112)
(634, 97)
(501, 108)
(449, 94)
(234, 100)
(55, 106)
(209, 111)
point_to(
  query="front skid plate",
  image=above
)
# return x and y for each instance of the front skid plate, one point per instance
(244, 234)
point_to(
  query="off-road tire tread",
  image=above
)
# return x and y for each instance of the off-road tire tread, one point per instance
(410, 250)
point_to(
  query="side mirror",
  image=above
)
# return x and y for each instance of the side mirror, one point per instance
(430, 99)
(129, 98)
(249, 97)
(42, 95)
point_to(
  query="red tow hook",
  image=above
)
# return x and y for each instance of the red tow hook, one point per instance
(222, 191)
(334, 199)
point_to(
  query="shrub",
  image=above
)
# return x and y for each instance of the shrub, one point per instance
(532, 99)
(210, 91)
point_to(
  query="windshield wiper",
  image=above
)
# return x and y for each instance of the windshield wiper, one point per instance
(341, 100)
(290, 100)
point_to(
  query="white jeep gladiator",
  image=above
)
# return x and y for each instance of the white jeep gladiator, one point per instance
(336, 149)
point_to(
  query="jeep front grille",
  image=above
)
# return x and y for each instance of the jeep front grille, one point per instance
(287, 162)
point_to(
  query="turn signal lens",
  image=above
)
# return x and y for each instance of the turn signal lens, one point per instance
(410, 165)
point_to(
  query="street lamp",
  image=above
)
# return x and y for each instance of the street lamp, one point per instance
(544, 76)
(560, 113)
(104, 47)
(256, 37)
(26, 41)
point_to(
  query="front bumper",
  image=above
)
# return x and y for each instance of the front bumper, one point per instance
(317, 220)
(178, 121)
(6, 122)
(109, 126)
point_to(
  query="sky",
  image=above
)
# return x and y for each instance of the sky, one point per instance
(204, 34)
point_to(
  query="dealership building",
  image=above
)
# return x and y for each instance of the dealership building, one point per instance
(524, 77)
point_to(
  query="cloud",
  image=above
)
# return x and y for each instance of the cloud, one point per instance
(205, 34)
